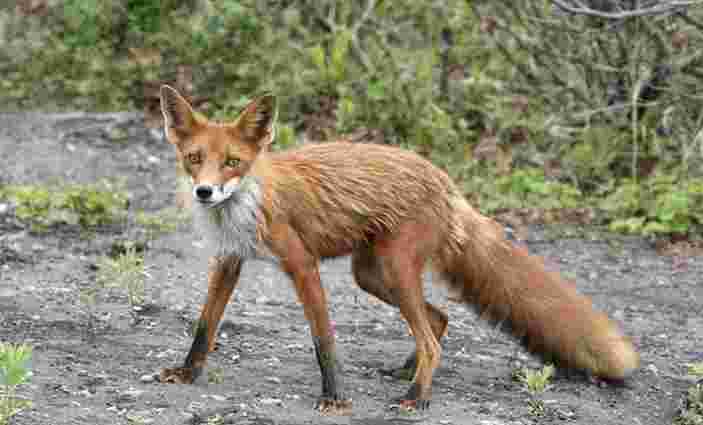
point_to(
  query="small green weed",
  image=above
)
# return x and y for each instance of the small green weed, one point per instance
(15, 369)
(536, 381)
(216, 375)
(85, 205)
(692, 409)
(535, 407)
(125, 271)
(135, 419)
(216, 420)
(695, 369)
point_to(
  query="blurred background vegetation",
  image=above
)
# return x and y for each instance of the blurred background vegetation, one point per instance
(585, 111)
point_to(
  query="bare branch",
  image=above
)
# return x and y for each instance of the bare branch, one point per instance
(581, 9)
(370, 5)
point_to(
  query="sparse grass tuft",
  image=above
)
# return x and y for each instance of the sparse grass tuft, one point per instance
(216, 420)
(695, 369)
(216, 375)
(535, 407)
(15, 369)
(125, 271)
(135, 420)
(536, 381)
(85, 205)
(692, 409)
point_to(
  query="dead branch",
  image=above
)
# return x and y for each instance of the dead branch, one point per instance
(579, 8)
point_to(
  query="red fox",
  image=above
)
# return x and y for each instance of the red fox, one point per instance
(394, 212)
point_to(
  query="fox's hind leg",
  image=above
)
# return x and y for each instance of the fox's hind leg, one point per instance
(391, 269)
(368, 275)
(222, 278)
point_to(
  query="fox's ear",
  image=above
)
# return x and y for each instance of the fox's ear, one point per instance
(257, 122)
(179, 118)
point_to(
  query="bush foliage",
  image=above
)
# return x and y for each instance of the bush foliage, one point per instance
(565, 108)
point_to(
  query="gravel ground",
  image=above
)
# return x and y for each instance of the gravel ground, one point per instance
(91, 364)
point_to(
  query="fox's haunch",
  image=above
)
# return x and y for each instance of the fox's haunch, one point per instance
(508, 286)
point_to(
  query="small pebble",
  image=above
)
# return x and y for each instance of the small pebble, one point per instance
(145, 379)
(269, 401)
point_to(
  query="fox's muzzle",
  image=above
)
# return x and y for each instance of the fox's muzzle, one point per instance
(211, 195)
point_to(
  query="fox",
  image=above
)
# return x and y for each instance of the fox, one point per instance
(394, 213)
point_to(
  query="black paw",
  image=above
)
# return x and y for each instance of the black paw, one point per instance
(410, 410)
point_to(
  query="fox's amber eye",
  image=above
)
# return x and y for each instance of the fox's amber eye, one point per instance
(193, 158)
(232, 162)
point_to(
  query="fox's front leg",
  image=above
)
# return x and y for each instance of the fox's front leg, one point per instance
(303, 270)
(311, 295)
(223, 275)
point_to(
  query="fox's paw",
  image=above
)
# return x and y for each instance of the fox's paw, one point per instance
(410, 410)
(179, 375)
(334, 406)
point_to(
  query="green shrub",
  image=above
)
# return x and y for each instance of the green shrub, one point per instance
(338, 66)
(523, 188)
(660, 204)
(85, 205)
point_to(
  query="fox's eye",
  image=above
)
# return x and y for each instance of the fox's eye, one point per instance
(232, 162)
(193, 158)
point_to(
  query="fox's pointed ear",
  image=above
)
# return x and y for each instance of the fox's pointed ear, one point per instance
(179, 118)
(257, 122)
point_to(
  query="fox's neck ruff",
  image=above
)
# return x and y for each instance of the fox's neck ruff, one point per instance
(231, 227)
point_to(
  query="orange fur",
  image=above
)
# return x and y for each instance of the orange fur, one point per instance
(394, 212)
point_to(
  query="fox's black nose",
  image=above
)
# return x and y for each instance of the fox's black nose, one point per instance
(203, 192)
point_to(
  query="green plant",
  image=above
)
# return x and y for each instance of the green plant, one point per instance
(215, 420)
(125, 271)
(535, 407)
(536, 381)
(661, 204)
(135, 419)
(695, 369)
(521, 188)
(216, 375)
(15, 369)
(692, 409)
(85, 205)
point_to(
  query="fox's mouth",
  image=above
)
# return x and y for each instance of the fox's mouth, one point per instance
(211, 204)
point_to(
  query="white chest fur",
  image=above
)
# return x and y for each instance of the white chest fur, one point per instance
(231, 227)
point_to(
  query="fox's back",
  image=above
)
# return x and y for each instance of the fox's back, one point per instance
(337, 194)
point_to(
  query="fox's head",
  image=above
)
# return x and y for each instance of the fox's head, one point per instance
(217, 156)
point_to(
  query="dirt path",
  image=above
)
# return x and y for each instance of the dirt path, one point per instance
(91, 369)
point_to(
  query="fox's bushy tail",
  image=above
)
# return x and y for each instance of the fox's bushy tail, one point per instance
(510, 287)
